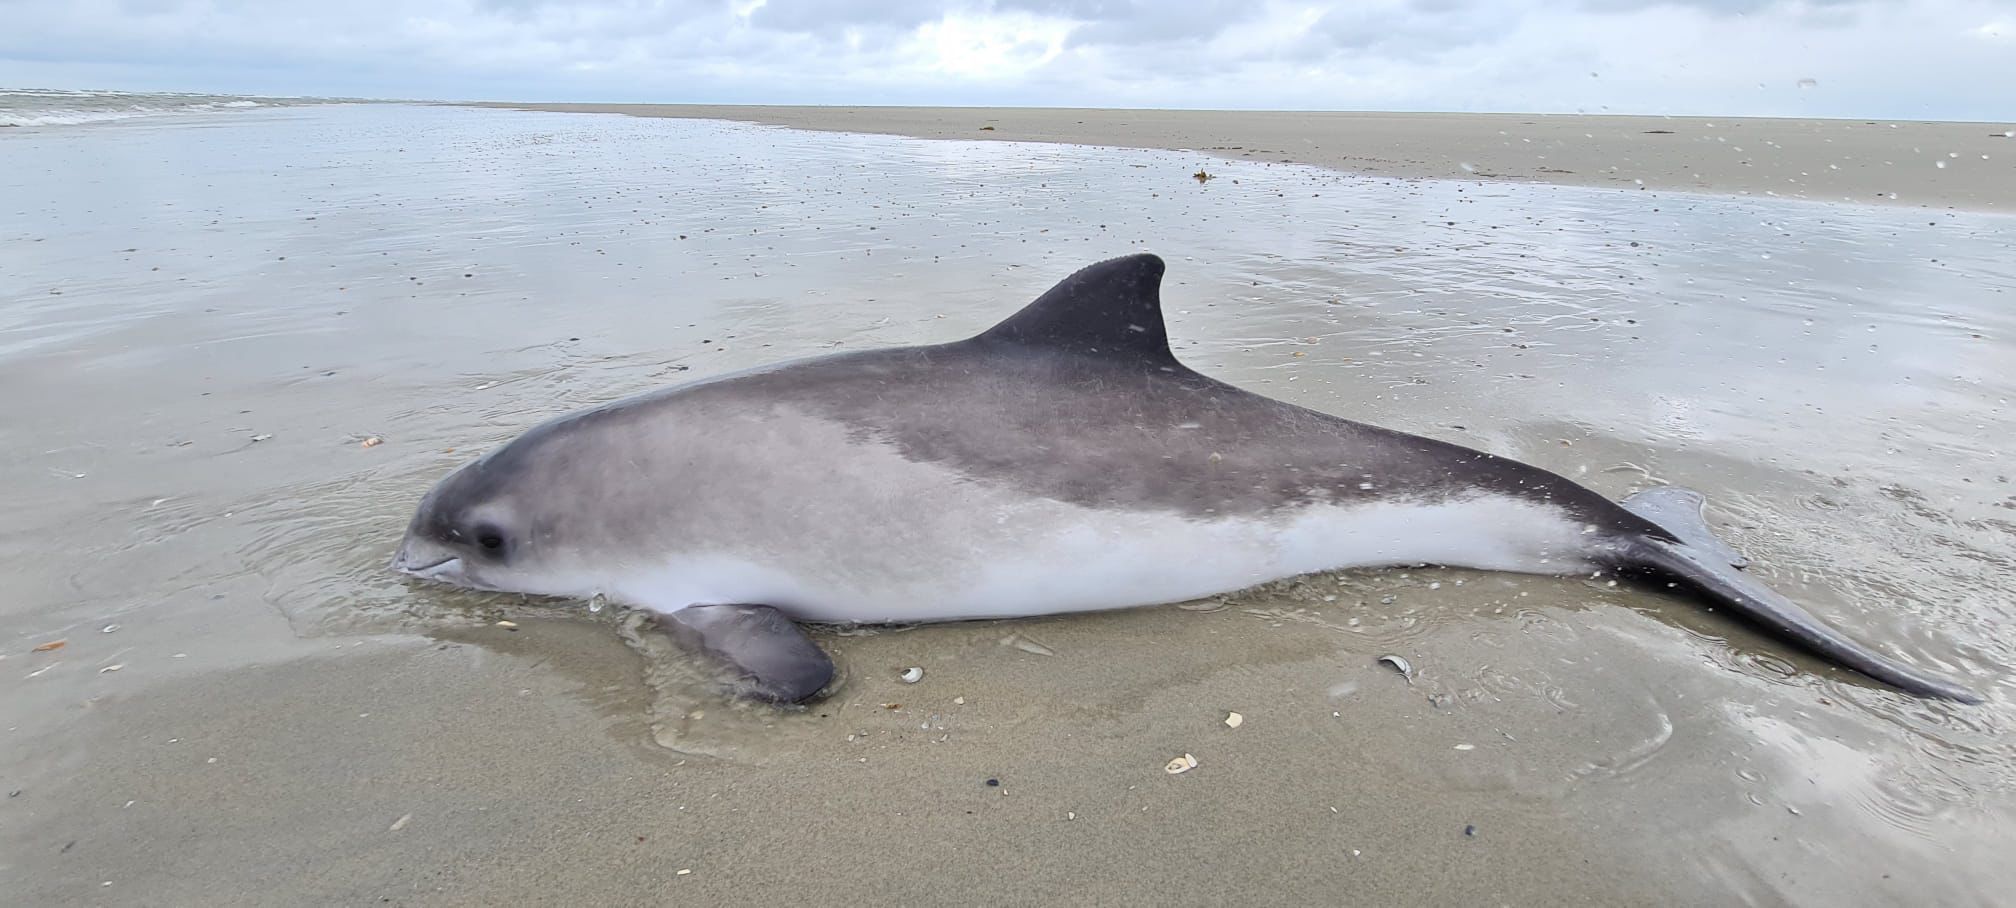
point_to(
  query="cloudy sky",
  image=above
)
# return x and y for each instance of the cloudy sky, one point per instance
(1948, 59)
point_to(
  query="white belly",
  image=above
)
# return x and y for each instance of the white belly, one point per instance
(1036, 557)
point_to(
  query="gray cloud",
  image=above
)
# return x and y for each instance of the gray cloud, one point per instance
(827, 16)
(1132, 22)
(1716, 7)
(1424, 29)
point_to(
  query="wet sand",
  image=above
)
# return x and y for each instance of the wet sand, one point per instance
(196, 349)
(1967, 166)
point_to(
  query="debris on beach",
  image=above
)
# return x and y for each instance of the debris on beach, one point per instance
(112, 668)
(400, 823)
(263, 436)
(912, 675)
(508, 625)
(1234, 720)
(1017, 641)
(986, 129)
(371, 442)
(1203, 175)
(51, 645)
(1180, 765)
(1400, 664)
(107, 629)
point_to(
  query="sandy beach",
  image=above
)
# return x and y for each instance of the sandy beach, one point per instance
(232, 373)
(1968, 166)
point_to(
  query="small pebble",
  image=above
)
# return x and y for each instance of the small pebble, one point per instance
(111, 668)
(508, 625)
(372, 442)
(1234, 720)
(1470, 830)
(400, 823)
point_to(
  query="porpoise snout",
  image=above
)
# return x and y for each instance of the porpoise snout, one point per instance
(426, 559)
(403, 560)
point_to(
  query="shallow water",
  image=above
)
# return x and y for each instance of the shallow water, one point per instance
(41, 107)
(203, 321)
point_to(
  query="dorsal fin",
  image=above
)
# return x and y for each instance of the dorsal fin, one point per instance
(1111, 308)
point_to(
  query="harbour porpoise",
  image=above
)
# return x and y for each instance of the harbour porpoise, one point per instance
(1063, 460)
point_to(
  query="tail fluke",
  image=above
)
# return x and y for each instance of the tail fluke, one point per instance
(1678, 511)
(1710, 568)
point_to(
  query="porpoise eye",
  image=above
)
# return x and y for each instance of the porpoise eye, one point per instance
(490, 538)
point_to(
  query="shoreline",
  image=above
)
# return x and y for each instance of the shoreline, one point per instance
(1932, 165)
(1922, 164)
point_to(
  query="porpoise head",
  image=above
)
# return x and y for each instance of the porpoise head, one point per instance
(498, 523)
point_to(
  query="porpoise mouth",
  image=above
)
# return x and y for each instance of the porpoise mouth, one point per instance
(441, 568)
(428, 569)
